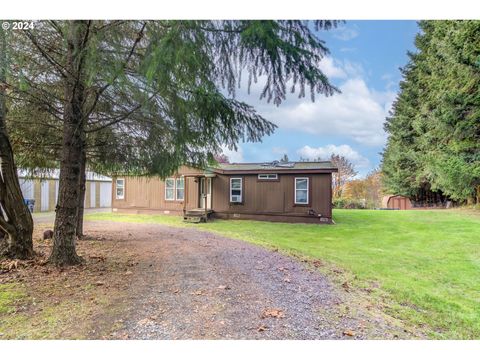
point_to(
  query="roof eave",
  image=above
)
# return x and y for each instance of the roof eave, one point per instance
(275, 171)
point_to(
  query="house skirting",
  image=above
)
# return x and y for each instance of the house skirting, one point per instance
(143, 211)
(287, 218)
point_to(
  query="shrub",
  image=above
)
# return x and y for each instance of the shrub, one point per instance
(343, 203)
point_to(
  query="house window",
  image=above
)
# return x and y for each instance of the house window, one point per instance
(236, 190)
(170, 189)
(267, 176)
(120, 188)
(301, 191)
(180, 188)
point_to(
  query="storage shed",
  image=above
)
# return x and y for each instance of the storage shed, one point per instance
(397, 202)
(43, 188)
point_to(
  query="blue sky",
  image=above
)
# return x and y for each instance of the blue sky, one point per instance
(364, 62)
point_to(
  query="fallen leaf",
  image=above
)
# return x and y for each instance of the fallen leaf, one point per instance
(198, 292)
(99, 283)
(262, 328)
(128, 273)
(275, 313)
(98, 257)
(13, 265)
(349, 333)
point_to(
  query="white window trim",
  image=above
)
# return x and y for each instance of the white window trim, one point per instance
(241, 190)
(308, 190)
(267, 176)
(174, 189)
(118, 197)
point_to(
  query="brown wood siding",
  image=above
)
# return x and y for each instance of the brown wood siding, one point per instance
(51, 195)
(399, 202)
(149, 193)
(264, 197)
(37, 195)
(86, 201)
(97, 194)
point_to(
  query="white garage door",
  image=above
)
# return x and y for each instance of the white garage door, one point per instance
(105, 194)
(92, 194)
(44, 196)
(56, 192)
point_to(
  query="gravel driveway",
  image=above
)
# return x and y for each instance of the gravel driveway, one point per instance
(190, 284)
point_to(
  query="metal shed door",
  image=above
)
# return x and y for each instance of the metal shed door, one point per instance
(93, 194)
(105, 194)
(56, 191)
(44, 195)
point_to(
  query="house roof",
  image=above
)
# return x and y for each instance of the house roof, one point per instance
(276, 167)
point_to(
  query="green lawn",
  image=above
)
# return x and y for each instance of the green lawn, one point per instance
(424, 265)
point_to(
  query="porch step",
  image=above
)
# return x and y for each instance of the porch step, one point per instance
(194, 219)
(197, 215)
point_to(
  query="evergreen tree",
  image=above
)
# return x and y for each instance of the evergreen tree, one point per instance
(434, 128)
(144, 97)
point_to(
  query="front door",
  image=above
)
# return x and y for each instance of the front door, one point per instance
(206, 192)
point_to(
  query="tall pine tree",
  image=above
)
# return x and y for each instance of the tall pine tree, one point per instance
(434, 128)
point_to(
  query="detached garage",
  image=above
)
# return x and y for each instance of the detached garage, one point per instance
(397, 202)
(43, 188)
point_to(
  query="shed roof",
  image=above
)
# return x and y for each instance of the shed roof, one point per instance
(55, 175)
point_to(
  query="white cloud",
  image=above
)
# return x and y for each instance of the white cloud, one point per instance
(233, 156)
(324, 153)
(332, 70)
(345, 33)
(336, 69)
(357, 113)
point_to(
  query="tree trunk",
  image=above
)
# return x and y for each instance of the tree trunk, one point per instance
(66, 219)
(81, 196)
(3, 234)
(15, 219)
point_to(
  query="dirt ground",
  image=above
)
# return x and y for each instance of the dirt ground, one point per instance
(147, 281)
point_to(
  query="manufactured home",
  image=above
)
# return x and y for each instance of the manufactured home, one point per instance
(276, 191)
(42, 187)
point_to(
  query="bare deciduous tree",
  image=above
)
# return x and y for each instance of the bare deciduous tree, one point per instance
(346, 172)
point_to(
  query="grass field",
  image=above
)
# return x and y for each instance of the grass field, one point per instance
(423, 265)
